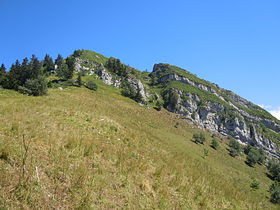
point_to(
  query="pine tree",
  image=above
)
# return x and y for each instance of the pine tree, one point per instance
(35, 68)
(3, 76)
(2, 70)
(14, 76)
(63, 72)
(48, 64)
(24, 71)
(70, 61)
(59, 60)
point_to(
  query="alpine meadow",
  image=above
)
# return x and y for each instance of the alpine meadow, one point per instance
(90, 132)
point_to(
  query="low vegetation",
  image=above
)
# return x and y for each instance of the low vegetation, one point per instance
(215, 144)
(199, 138)
(72, 148)
(100, 150)
(234, 148)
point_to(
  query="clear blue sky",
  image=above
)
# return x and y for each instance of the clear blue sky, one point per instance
(234, 43)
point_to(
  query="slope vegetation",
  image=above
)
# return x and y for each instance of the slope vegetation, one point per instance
(76, 148)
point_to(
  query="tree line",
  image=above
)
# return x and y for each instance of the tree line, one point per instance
(29, 76)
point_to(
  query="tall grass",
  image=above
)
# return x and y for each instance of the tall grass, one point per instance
(99, 150)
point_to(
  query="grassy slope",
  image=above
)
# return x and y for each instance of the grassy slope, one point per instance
(101, 150)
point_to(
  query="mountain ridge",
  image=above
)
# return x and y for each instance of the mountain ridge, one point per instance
(111, 136)
(232, 115)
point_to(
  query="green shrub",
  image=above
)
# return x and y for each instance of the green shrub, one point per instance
(275, 192)
(274, 169)
(158, 105)
(115, 66)
(173, 99)
(91, 85)
(64, 72)
(248, 148)
(199, 138)
(234, 148)
(215, 143)
(255, 184)
(79, 80)
(35, 87)
(262, 156)
(129, 91)
(253, 157)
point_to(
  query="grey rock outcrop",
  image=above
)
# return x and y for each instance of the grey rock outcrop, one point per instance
(228, 117)
(93, 68)
(138, 87)
(199, 102)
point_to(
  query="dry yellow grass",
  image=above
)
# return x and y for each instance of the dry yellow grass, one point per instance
(78, 149)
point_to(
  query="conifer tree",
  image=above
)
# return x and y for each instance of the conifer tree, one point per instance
(14, 76)
(48, 64)
(3, 76)
(59, 60)
(63, 72)
(2, 70)
(35, 68)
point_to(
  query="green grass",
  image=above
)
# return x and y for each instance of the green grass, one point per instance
(98, 58)
(93, 56)
(134, 73)
(100, 150)
(182, 72)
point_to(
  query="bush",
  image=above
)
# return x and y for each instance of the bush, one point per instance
(35, 87)
(79, 80)
(199, 138)
(129, 91)
(274, 169)
(262, 156)
(91, 85)
(158, 105)
(173, 99)
(253, 157)
(248, 148)
(275, 192)
(77, 53)
(115, 66)
(71, 82)
(234, 148)
(64, 72)
(255, 184)
(215, 143)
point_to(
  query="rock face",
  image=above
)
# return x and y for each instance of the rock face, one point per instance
(87, 67)
(138, 87)
(198, 101)
(216, 109)
(107, 78)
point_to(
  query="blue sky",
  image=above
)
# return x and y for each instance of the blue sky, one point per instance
(234, 43)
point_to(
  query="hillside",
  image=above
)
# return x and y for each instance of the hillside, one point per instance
(201, 102)
(99, 134)
(81, 149)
